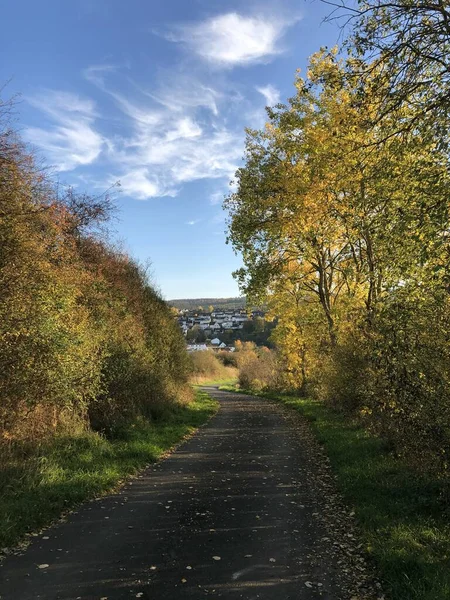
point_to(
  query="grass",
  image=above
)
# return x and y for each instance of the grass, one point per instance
(225, 383)
(37, 488)
(401, 514)
(217, 374)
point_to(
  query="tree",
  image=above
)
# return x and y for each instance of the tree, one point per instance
(191, 334)
(196, 334)
(340, 227)
(285, 215)
(259, 324)
(201, 336)
(406, 44)
(248, 327)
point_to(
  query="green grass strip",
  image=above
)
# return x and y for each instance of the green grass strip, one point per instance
(401, 513)
(36, 489)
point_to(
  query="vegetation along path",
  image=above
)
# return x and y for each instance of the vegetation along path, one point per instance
(244, 509)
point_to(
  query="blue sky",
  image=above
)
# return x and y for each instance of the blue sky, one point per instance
(156, 95)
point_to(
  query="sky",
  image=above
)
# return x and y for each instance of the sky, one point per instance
(156, 95)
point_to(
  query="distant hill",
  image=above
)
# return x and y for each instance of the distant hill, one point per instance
(217, 303)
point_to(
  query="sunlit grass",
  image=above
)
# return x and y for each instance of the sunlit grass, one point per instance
(37, 487)
(229, 383)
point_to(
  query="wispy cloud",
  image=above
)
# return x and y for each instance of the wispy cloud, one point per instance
(182, 92)
(183, 130)
(96, 73)
(216, 197)
(270, 93)
(194, 222)
(170, 143)
(232, 39)
(174, 153)
(140, 184)
(72, 140)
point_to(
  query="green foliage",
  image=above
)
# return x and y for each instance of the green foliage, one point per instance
(398, 376)
(229, 359)
(48, 349)
(257, 330)
(196, 334)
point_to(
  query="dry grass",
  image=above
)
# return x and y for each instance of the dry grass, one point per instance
(208, 369)
(228, 377)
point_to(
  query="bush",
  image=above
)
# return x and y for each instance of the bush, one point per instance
(206, 366)
(259, 368)
(228, 359)
(395, 375)
(82, 331)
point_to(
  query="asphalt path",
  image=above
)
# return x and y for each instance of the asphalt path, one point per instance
(229, 514)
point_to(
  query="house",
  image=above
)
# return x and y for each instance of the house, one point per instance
(220, 319)
(196, 347)
(215, 342)
(239, 318)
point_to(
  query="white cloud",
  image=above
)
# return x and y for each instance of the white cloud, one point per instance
(216, 155)
(270, 93)
(96, 73)
(158, 145)
(155, 161)
(232, 39)
(172, 140)
(185, 128)
(182, 92)
(174, 152)
(194, 222)
(72, 141)
(139, 184)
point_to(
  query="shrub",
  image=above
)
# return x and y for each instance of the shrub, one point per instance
(395, 375)
(206, 366)
(228, 359)
(259, 368)
(82, 331)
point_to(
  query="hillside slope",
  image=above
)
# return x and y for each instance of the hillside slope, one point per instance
(217, 303)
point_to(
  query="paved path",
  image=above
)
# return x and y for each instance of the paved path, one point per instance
(230, 514)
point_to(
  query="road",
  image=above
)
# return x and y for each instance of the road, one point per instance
(230, 514)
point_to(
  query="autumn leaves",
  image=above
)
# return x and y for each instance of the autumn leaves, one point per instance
(342, 222)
